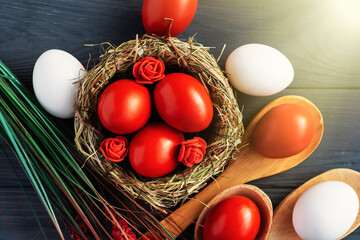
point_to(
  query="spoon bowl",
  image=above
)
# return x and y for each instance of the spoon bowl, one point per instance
(282, 227)
(255, 194)
(248, 166)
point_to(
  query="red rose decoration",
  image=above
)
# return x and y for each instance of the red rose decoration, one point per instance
(114, 149)
(149, 70)
(192, 151)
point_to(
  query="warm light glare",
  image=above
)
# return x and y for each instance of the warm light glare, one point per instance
(347, 12)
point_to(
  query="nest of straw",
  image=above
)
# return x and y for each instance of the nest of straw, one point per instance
(223, 135)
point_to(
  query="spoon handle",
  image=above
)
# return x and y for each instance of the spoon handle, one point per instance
(181, 218)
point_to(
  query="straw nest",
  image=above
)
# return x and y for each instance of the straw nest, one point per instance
(223, 135)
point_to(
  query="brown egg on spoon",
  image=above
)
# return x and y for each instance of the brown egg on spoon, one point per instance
(283, 131)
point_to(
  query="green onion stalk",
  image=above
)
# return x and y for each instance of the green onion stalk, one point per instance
(66, 186)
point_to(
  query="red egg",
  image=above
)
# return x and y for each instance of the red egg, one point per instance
(235, 217)
(124, 106)
(283, 131)
(183, 102)
(156, 15)
(154, 150)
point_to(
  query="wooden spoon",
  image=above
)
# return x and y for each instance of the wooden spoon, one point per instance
(282, 227)
(247, 167)
(254, 193)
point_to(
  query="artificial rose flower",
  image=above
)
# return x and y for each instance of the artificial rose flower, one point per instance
(192, 151)
(149, 70)
(114, 149)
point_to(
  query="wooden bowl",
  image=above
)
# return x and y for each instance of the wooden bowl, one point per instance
(262, 201)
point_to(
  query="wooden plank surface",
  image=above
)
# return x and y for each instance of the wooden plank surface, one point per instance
(321, 39)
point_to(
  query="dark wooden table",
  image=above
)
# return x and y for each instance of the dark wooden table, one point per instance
(321, 38)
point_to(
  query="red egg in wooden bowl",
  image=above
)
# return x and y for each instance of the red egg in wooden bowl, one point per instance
(228, 199)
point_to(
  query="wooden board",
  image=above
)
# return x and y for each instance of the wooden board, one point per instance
(321, 39)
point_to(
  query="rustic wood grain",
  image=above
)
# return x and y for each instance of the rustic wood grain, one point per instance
(321, 39)
(16, 212)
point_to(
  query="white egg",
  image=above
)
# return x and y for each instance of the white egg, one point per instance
(259, 70)
(54, 80)
(325, 211)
